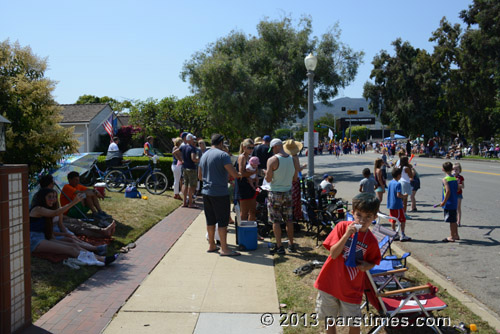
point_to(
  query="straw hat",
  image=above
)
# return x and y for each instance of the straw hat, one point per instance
(292, 147)
(257, 141)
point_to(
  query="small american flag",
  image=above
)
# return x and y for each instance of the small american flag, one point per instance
(108, 126)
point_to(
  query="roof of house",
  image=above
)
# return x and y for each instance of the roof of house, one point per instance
(81, 113)
(123, 119)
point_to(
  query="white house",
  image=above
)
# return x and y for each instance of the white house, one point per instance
(88, 121)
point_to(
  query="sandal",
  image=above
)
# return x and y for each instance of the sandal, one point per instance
(233, 253)
(447, 240)
(213, 250)
(126, 249)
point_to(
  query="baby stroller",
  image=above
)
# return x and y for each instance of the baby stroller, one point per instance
(261, 216)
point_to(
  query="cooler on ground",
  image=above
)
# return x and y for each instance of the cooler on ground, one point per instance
(247, 235)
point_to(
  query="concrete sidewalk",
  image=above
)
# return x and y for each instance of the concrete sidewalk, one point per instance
(192, 291)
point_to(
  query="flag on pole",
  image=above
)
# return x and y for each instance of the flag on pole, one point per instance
(108, 126)
(330, 133)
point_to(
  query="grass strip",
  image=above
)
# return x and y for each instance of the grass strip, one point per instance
(51, 282)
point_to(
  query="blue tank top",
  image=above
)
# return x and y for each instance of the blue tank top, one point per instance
(283, 176)
(37, 224)
(452, 202)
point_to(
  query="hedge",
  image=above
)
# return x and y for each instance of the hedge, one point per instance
(164, 164)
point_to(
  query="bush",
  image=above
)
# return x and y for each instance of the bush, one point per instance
(164, 164)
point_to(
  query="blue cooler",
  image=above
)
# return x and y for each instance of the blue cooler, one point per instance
(247, 234)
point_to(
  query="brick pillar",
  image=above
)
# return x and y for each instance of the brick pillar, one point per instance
(15, 265)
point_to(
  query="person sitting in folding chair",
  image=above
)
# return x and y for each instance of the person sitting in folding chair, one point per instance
(89, 203)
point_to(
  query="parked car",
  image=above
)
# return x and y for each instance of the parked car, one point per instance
(139, 152)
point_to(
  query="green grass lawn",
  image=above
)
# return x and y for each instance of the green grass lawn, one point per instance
(53, 281)
(299, 295)
(478, 157)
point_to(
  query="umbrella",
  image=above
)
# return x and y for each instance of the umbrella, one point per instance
(396, 136)
(79, 162)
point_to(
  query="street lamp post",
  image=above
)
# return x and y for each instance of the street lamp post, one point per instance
(310, 62)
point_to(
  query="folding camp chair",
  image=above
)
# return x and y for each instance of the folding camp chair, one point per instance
(414, 301)
(84, 216)
(385, 237)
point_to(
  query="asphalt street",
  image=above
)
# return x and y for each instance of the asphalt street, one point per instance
(473, 263)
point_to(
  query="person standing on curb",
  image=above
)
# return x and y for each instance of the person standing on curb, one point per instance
(213, 170)
(280, 173)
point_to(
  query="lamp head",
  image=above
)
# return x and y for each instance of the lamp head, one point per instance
(311, 62)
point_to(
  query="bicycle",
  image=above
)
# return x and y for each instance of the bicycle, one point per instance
(155, 181)
(93, 175)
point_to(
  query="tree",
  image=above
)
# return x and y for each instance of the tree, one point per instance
(34, 137)
(114, 104)
(406, 86)
(165, 119)
(253, 84)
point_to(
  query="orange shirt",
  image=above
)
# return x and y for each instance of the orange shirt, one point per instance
(69, 191)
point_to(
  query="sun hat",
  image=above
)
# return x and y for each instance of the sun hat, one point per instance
(254, 161)
(274, 142)
(257, 140)
(292, 147)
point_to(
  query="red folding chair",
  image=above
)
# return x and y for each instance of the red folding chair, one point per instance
(411, 302)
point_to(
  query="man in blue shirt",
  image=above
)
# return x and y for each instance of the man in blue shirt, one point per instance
(190, 159)
(214, 168)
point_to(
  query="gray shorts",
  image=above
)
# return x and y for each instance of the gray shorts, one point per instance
(329, 307)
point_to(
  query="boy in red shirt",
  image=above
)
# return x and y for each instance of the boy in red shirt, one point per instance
(340, 286)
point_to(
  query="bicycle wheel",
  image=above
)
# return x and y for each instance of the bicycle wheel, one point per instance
(115, 181)
(88, 178)
(156, 183)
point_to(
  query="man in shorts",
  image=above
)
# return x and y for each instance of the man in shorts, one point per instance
(90, 202)
(280, 173)
(214, 168)
(190, 159)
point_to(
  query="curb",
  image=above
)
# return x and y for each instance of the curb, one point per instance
(470, 302)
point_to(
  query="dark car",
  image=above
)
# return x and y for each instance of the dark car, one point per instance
(139, 152)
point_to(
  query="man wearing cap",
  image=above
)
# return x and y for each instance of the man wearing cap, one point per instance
(190, 159)
(214, 168)
(280, 172)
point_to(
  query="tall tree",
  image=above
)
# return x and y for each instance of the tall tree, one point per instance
(406, 87)
(115, 104)
(34, 137)
(252, 84)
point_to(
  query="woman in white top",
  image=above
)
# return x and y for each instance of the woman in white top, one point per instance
(406, 177)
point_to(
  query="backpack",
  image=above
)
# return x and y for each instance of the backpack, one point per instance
(132, 192)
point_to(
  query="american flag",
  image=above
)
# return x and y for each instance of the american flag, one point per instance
(108, 125)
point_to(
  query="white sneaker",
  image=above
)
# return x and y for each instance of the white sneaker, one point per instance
(89, 259)
(96, 262)
(74, 260)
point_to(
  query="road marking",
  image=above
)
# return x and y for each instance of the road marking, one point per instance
(463, 170)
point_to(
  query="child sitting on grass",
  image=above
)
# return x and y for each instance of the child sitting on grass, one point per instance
(341, 286)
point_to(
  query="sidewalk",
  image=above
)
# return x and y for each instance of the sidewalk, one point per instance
(192, 291)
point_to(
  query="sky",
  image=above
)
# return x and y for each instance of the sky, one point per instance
(136, 49)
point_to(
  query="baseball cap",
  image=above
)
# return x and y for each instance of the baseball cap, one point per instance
(189, 136)
(266, 138)
(325, 176)
(184, 134)
(274, 142)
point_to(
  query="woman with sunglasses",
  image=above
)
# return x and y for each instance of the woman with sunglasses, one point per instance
(247, 194)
